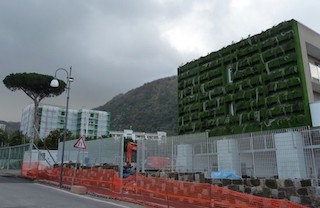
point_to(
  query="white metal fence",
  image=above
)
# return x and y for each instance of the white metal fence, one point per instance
(286, 153)
(98, 151)
(261, 154)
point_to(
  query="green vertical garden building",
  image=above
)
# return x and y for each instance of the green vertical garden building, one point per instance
(263, 82)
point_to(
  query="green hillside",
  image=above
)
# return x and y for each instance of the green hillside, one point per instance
(149, 108)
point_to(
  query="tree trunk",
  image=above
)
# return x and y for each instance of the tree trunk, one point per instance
(36, 121)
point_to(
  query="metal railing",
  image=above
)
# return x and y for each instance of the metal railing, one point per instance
(255, 153)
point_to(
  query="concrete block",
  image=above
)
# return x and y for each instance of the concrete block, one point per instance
(317, 191)
(305, 200)
(79, 189)
(302, 191)
(295, 199)
(274, 193)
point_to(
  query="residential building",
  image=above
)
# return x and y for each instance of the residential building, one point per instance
(90, 123)
(263, 82)
(128, 133)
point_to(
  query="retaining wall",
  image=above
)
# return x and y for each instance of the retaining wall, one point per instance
(299, 191)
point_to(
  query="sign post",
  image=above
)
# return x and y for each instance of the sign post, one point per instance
(80, 145)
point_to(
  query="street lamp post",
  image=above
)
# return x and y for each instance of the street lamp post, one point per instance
(55, 83)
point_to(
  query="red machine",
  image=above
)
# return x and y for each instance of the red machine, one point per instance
(130, 147)
(154, 162)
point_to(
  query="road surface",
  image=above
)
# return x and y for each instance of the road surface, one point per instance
(20, 193)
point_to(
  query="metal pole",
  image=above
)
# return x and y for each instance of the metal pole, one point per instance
(30, 150)
(121, 162)
(172, 154)
(69, 80)
(138, 162)
(8, 162)
(143, 154)
(121, 157)
(253, 171)
(208, 156)
(314, 169)
(100, 141)
(75, 168)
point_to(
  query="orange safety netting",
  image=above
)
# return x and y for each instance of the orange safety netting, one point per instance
(152, 191)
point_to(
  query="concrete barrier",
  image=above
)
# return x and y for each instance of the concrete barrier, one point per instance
(79, 189)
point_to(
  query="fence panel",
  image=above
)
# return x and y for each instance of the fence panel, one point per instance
(257, 153)
(100, 151)
(11, 157)
(158, 192)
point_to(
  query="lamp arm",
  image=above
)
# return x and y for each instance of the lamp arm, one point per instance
(68, 73)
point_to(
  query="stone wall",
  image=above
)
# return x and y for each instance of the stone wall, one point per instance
(300, 191)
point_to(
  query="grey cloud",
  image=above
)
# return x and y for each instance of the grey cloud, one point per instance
(118, 45)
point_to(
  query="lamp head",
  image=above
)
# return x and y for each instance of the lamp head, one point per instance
(54, 83)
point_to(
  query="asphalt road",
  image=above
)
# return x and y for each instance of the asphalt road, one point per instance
(20, 193)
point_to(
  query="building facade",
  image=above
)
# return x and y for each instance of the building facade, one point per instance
(263, 82)
(130, 134)
(89, 123)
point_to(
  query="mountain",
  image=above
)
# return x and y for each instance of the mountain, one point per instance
(149, 108)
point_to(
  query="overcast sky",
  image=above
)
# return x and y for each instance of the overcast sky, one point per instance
(115, 45)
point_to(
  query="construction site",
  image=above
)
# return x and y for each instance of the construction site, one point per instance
(248, 135)
(189, 170)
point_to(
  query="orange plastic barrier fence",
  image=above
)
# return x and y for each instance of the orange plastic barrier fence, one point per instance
(154, 192)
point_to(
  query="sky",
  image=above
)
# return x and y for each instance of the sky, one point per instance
(114, 46)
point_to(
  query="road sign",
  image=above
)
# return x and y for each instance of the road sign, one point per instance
(81, 143)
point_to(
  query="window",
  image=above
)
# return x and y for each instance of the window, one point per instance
(315, 71)
(230, 74)
(231, 109)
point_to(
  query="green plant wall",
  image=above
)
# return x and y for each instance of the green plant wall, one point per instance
(267, 90)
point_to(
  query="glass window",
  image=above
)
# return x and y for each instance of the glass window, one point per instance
(231, 109)
(230, 75)
(315, 71)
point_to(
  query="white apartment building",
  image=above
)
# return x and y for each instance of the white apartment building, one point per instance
(134, 135)
(89, 123)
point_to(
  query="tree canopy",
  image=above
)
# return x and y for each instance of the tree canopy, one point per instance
(52, 140)
(37, 87)
(11, 138)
